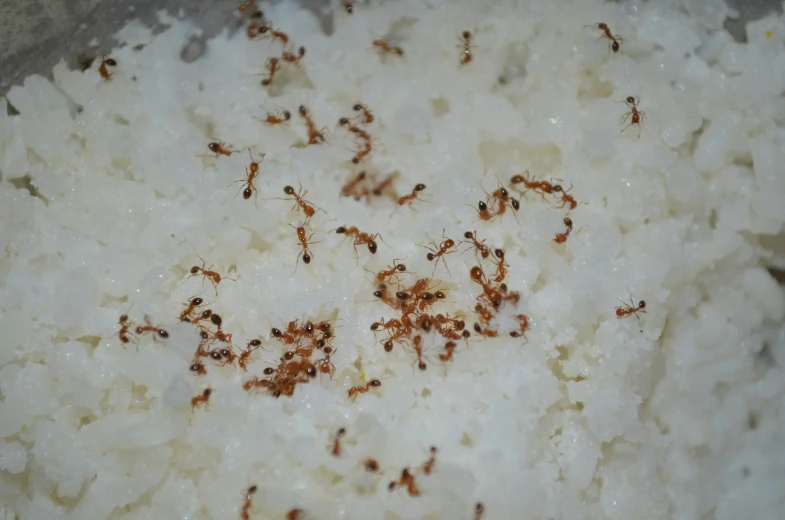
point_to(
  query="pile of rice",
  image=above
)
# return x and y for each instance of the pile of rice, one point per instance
(108, 190)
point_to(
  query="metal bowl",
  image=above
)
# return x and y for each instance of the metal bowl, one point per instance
(35, 34)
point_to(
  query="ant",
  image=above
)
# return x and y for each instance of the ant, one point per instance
(245, 6)
(276, 118)
(300, 202)
(247, 504)
(295, 514)
(524, 326)
(418, 348)
(198, 368)
(614, 41)
(352, 184)
(291, 57)
(125, 325)
(482, 211)
(635, 114)
(371, 465)
(406, 480)
(566, 198)
(276, 34)
(272, 65)
(541, 187)
(360, 238)
(386, 275)
(201, 399)
(479, 509)
(385, 47)
(246, 353)
(151, 328)
(562, 237)
(449, 350)
(466, 47)
(501, 266)
(427, 468)
(411, 197)
(361, 389)
(335, 442)
(383, 184)
(630, 309)
(479, 246)
(314, 136)
(324, 365)
(214, 277)
(348, 5)
(305, 252)
(218, 149)
(104, 71)
(251, 173)
(366, 117)
(191, 305)
(437, 252)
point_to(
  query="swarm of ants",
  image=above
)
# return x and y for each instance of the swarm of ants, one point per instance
(307, 344)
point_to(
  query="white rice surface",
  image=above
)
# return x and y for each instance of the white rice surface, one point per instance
(679, 414)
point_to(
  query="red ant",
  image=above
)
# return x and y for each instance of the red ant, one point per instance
(125, 325)
(418, 348)
(247, 504)
(276, 34)
(501, 266)
(427, 468)
(360, 238)
(276, 118)
(524, 325)
(305, 252)
(566, 198)
(541, 187)
(214, 277)
(324, 365)
(390, 272)
(614, 41)
(295, 514)
(246, 353)
(218, 148)
(387, 181)
(291, 57)
(300, 202)
(103, 71)
(385, 47)
(411, 197)
(201, 399)
(562, 237)
(314, 136)
(466, 47)
(273, 66)
(361, 389)
(151, 328)
(479, 246)
(348, 5)
(437, 252)
(635, 114)
(191, 306)
(630, 309)
(251, 172)
(366, 117)
(405, 480)
(335, 442)
(348, 189)
(449, 350)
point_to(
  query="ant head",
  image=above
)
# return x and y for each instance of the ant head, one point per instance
(615, 46)
(111, 62)
(483, 206)
(357, 107)
(419, 187)
(194, 270)
(303, 111)
(372, 247)
(341, 230)
(516, 205)
(568, 221)
(468, 235)
(466, 35)
(439, 295)
(287, 115)
(400, 267)
(247, 192)
(631, 100)
(288, 190)
(641, 304)
(499, 253)
(214, 147)
(343, 121)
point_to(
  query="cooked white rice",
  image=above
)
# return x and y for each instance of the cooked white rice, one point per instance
(676, 413)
